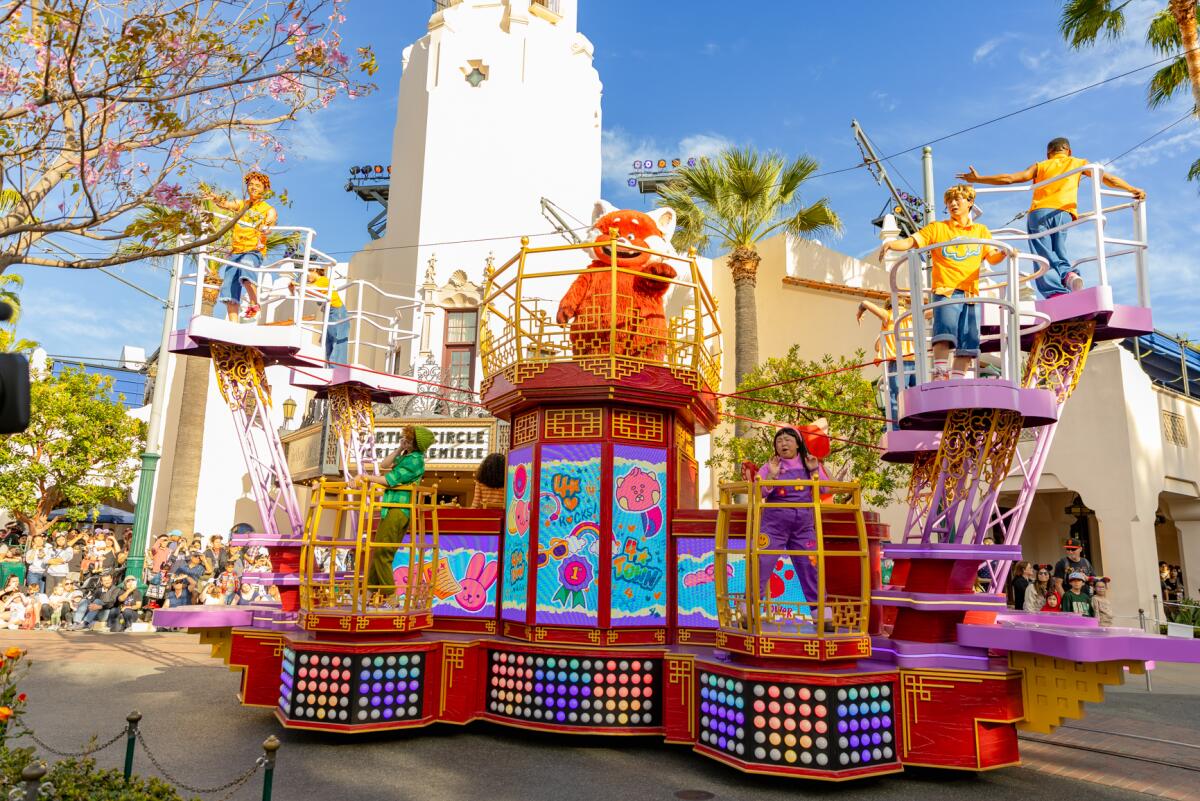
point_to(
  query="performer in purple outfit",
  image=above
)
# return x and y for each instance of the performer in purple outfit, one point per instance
(789, 528)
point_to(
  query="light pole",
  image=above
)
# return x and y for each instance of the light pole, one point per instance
(145, 496)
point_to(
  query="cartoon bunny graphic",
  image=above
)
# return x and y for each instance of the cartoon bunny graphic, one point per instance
(475, 584)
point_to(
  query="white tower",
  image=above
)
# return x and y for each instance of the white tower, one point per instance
(499, 107)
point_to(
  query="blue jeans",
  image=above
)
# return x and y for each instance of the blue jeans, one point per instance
(36, 578)
(337, 335)
(86, 617)
(893, 376)
(958, 324)
(235, 278)
(1053, 248)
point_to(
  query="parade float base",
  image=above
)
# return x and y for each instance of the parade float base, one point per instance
(832, 721)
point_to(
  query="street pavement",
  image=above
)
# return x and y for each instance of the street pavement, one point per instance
(82, 684)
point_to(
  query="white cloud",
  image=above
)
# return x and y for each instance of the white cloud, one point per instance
(710, 49)
(1167, 147)
(988, 47)
(885, 101)
(619, 149)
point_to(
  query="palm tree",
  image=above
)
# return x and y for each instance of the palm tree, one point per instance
(9, 343)
(1171, 29)
(738, 198)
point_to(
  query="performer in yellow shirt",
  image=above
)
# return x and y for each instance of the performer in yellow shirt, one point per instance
(249, 245)
(1055, 204)
(886, 349)
(337, 334)
(955, 275)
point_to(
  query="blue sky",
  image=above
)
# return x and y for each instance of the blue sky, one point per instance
(682, 77)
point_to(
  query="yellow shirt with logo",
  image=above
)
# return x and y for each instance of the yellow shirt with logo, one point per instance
(322, 282)
(955, 266)
(888, 351)
(246, 232)
(1062, 194)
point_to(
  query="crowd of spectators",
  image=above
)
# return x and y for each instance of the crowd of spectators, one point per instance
(74, 578)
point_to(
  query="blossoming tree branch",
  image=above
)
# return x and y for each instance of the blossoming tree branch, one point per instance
(111, 106)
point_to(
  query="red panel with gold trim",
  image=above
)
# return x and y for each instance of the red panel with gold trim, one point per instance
(960, 719)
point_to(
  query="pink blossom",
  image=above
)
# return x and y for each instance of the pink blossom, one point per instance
(171, 196)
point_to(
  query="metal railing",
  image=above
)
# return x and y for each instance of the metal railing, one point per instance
(999, 289)
(607, 334)
(1099, 219)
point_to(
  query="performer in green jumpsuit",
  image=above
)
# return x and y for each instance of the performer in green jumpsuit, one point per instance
(404, 467)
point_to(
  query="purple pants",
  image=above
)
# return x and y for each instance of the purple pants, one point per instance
(791, 530)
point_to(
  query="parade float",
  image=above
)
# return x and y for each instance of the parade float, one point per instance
(601, 599)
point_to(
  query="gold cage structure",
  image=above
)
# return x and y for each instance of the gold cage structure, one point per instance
(610, 335)
(830, 626)
(339, 590)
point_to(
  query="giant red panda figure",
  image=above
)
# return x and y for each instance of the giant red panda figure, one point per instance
(640, 328)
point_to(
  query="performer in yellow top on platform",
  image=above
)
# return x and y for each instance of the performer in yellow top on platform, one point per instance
(248, 247)
(1054, 205)
(886, 349)
(338, 332)
(955, 275)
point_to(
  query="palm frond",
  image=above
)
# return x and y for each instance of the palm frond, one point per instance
(741, 196)
(1082, 22)
(1194, 171)
(1162, 34)
(1167, 82)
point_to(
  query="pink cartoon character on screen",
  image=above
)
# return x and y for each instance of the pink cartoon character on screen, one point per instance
(639, 491)
(480, 577)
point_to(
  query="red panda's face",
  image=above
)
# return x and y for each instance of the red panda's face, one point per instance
(632, 228)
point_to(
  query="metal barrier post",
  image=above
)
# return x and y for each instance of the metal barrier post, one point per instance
(1142, 619)
(1139, 234)
(32, 775)
(1156, 623)
(131, 732)
(270, 747)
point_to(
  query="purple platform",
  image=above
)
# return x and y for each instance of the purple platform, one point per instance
(196, 616)
(944, 655)
(940, 602)
(383, 387)
(268, 579)
(925, 407)
(1113, 321)
(279, 344)
(204, 617)
(951, 550)
(901, 446)
(1078, 643)
(257, 540)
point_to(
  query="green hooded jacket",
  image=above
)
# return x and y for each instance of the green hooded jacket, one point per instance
(408, 469)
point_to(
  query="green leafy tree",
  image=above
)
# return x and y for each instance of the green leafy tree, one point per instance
(735, 200)
(1172, 30)
(80, 449)
(787, 401)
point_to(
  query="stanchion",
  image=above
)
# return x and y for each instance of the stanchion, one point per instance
(131, 733)
(270, 746)
(32, 775)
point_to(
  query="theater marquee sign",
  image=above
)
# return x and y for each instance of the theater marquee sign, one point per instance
(458, 444)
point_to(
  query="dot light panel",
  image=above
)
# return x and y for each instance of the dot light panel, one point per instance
(810, 726)
(351, 689)
(583, 691)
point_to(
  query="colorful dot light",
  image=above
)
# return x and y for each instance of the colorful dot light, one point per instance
(581, 691)
(723, 713)
(865, 725)
(389, 687)
(351, 689)
(806, 726)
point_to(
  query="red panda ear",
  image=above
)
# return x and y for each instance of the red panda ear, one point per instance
(665, 219)
(601, 208)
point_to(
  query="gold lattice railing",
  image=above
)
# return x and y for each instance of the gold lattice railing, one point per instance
(341, 540)
(743, 607)
(611, 335)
